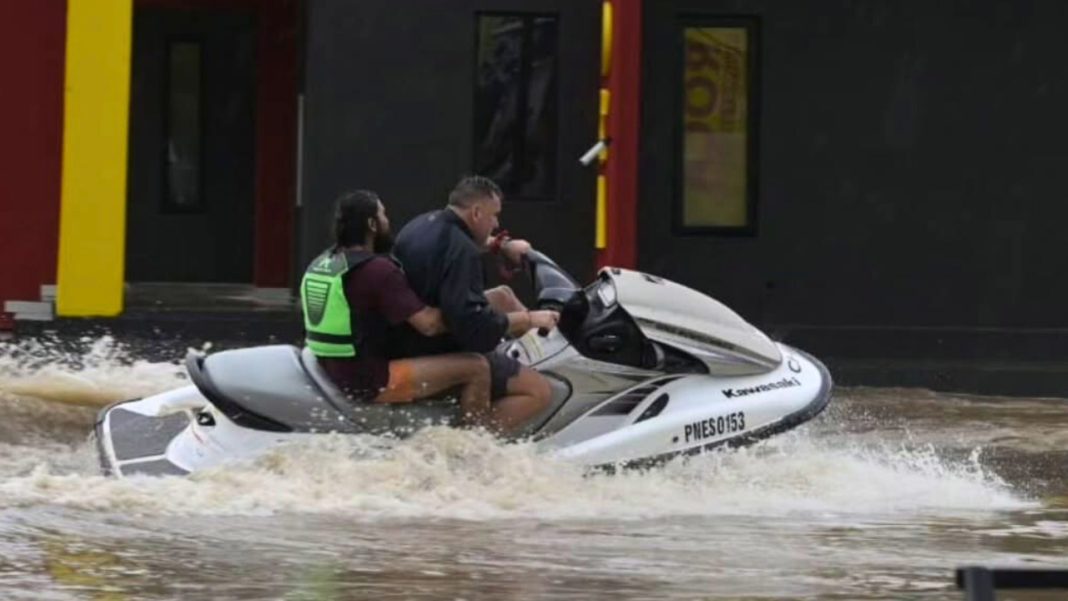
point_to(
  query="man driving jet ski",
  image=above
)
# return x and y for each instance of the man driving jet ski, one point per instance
(441, 255)
(353, 292)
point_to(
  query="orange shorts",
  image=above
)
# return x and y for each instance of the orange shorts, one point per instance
(402, 385)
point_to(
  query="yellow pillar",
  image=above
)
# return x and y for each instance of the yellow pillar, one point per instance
(601, 215)
(601, 239)
(92, 226)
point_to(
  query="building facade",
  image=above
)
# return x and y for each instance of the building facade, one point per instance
(873, 177)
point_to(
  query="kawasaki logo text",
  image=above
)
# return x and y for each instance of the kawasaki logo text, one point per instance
(732, 393)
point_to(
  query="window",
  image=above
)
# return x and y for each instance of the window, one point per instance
(516, 103)
(183, 138)
(717, 187)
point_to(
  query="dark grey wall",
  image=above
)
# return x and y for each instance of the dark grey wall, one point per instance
(389, 89)
(912, 166)
(375, 96)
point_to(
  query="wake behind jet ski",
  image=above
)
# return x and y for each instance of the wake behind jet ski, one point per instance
(642, 370)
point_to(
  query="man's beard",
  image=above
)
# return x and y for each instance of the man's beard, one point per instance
(383, 241)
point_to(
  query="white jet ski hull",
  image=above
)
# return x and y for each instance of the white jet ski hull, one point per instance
(181, 431)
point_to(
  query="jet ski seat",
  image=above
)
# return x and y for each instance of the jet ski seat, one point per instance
(376, 418)
(322, 379)
(265, 388)
(280, 388)
(433, 409)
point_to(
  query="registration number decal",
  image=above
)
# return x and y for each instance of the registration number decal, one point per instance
(715, 426)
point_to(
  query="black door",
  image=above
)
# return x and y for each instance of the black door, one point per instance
(698, 218)
(407, 101)
(191, 163)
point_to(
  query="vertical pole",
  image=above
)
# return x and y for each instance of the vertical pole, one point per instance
(621, 73)
(92, 229)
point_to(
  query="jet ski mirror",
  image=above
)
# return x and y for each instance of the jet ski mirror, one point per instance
(544, 273)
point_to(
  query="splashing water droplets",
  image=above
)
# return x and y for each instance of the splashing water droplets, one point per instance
(52, 370)
(444, 473)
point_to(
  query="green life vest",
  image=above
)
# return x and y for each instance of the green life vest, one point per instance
(329, 324)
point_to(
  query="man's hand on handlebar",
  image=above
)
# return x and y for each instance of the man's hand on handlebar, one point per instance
(521, 322)
(544, 320)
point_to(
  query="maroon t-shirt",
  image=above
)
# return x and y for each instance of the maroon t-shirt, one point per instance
(379, 296)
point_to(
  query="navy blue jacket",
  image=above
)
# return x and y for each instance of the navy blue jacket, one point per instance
(444, 268)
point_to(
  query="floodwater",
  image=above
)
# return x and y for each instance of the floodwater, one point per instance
(879, 498)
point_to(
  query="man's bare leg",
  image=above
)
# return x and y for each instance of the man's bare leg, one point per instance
(502, 299)
(529, 393)
(419, 378)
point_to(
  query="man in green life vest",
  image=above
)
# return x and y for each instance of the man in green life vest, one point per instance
(354, 292)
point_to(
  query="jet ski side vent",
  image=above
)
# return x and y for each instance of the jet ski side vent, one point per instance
(626, 402)
(654, 409)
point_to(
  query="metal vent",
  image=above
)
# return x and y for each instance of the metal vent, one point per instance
(654, 409)
(626, 402)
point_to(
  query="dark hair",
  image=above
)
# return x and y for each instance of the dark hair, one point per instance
(350, 217)
(471, 189)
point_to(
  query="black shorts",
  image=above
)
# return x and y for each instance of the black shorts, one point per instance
(502, 368)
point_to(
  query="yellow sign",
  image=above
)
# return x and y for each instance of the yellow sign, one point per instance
(715, 118)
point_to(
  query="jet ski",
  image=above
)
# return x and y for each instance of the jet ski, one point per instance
(642, 370)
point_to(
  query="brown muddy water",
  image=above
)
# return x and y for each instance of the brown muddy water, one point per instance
(879, 498)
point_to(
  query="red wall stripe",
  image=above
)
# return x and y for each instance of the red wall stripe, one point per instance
(32, 45)
(624, 129)
(276, 129)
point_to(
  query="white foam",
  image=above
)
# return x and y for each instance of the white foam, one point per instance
(442, 473)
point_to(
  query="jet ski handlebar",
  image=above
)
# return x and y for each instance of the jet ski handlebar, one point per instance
(590, 318)
(554, 287)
